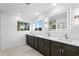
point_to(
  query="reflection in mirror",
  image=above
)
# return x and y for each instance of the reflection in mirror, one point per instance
(58, 21)
(52, 24)
(38, 25)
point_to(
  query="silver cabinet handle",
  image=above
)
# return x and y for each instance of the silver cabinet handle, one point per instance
(60, 50)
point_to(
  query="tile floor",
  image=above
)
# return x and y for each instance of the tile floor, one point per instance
(23, 50)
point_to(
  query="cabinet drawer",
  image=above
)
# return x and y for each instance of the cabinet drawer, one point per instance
(47, 41)
(56, 43)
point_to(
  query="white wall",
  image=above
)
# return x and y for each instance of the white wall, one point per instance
(73, 31)
(10, 37)
(0, 29)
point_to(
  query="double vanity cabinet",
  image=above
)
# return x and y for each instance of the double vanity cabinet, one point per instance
(51, 48)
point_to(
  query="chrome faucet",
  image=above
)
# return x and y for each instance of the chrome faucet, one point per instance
(48, 34)
(66, 36)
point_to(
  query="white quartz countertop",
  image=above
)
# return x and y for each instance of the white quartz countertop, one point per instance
(62, 40)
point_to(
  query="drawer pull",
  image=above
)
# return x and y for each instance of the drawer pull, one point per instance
(60, 50)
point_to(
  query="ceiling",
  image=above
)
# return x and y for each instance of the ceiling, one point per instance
(24, 9)
(28, 11)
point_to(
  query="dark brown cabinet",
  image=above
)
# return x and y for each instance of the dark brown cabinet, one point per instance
(31, 41)
(70, 50)
(51, 48)
(27, 39)
(61, 49)
(40, 45)
(35, 42)
(46, 47)
(69, 53)
(56, 49)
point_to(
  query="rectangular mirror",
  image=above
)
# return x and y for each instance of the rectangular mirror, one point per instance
(58, 21)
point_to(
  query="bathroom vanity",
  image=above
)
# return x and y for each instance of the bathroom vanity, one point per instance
(51, 46)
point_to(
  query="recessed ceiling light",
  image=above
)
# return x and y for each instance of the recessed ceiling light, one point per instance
(54, 4)
(27, 3)
(37, 13)
(19, 14)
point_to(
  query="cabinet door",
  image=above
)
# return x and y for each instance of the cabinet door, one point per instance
(70, 50)
(40, 45)
(31, 41)
(46, 47)
(35, 42)
(70, 53)
(27, 39)
(55, 50)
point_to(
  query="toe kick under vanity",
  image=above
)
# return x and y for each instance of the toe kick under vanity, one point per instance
(52, 46)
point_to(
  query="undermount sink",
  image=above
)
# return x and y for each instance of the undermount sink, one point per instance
(67, 40)
(43, 36)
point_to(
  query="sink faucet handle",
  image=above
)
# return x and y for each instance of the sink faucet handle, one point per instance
(48, 34)
(66, 36)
